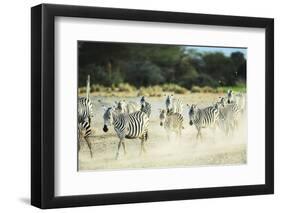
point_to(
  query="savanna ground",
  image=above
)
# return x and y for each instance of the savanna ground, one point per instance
(214, 149)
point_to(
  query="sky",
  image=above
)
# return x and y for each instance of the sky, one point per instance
(226, 50)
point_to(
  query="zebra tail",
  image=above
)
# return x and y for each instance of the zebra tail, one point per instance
(88, 87)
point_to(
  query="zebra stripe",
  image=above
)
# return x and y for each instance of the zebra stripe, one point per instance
(238, 99)
(171, 122)
(174, 105)
(84, 132)
(145, 106)
(85, 109)
(203, 118)
(85, 105)
(229, 115)
(130, 126)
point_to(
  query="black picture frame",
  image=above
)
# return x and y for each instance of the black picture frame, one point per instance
(43, 105)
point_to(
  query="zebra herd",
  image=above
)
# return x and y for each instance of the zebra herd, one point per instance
(131, 120)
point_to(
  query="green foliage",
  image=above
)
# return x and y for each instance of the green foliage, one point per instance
(148, 65)
(238, 88)
(143, 73)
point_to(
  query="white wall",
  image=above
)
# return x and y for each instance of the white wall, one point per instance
(15, 105)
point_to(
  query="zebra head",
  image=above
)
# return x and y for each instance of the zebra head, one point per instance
(192, 113)
(229, 96)
(222, 101)
(121, 106)
(108, 118)
(162, 116)
(169, 102)
(142, 102)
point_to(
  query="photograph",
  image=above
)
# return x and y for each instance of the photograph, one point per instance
(149, 106)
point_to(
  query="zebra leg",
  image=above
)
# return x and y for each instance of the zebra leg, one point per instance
(124, 147)
(143, 150)
(89, 145)
(118, 148)
(198, 133)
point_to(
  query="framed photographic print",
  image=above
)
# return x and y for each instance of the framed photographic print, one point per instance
(139, 106)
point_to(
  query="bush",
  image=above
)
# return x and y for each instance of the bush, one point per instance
(82, 90)
(100, 88)
(221, 90)
(152, 91)
(174, 88)
(125, 87)
(207, 89)
(195, 89)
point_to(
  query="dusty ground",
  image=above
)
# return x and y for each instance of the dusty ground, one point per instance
(214, 149)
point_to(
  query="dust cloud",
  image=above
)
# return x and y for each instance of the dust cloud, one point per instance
(215, 148)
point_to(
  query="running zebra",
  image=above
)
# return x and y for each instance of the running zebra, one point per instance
(172, 122)
(84, 132)
(203, 118)
(228, 115)
(145, 106)
(238, 99)
(174, 105)
(130, 126)
(124, 107)
(85, 105)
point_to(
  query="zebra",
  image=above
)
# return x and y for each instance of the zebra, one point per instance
(229, 115)
(85, 132)
(238, 99)
(203, 118)
(172, 122)
(145, 106)
(124, 107)
(85, 105)
(127, 125)
(174, 105)
(85, 109)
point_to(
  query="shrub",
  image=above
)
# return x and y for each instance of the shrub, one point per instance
(174, 88)
(125, 87)
(100, 88)
(195, 89)
(150, 91)
(82, 90)
(208, 89)
(221, 90)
